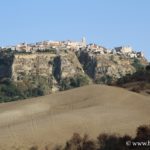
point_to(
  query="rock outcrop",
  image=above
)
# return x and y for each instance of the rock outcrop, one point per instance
(42, 68)
(51, 68)
(108, 67)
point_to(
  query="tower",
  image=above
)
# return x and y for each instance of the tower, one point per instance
(84, 41)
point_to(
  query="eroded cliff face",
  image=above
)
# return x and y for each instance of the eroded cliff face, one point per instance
(5, 65)
(112, 67)
(52, 71)
(107, 68)
(45, 68)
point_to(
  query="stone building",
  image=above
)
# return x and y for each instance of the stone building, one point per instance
(124, 49)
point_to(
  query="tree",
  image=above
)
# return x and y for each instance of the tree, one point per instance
(72, 82)
(137, 64)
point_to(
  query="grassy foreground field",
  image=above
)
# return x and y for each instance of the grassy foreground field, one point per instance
(52, 119)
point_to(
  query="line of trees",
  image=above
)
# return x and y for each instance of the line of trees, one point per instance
(107, 142)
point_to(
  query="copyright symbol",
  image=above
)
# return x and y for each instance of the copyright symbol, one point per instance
(128, 143)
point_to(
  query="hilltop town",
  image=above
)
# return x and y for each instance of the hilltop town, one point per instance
(49, 66)
(60, 46)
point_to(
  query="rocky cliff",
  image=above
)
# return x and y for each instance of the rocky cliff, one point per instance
(109, 67)
(45, 68)
(53, 71)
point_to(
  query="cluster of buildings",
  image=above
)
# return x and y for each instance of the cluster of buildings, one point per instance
(128, 51)
(92, 49)
(96, 49)
(45, 45)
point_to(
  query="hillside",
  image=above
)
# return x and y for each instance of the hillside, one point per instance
(52, 119)
(138, 82)
(37, 74)
(43, 68)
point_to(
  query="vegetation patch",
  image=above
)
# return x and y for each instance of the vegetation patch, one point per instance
(72, 82)
(106, 141)
(11, 91)
(105, 80)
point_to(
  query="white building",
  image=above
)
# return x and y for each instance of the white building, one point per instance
(124, 49)
(140, 54)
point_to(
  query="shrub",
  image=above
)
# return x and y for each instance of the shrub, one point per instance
(79, 143)
(105, 141)
(77, 81)
(49, 50)
(139, 75)
(136, 89)
(88, 144)
(105, 80)
(57, 147)
(137, 64)
(143, 132)
(148, 68)
(10, 91)
(34, 148)
(74, 143)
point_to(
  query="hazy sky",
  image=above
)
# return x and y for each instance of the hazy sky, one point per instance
(106, 22)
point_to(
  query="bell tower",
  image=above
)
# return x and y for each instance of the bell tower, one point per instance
(84, 41)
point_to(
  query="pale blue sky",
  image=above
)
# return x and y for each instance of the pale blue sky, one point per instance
(106, 22)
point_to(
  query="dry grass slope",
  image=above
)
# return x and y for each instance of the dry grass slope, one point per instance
(52, 119)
